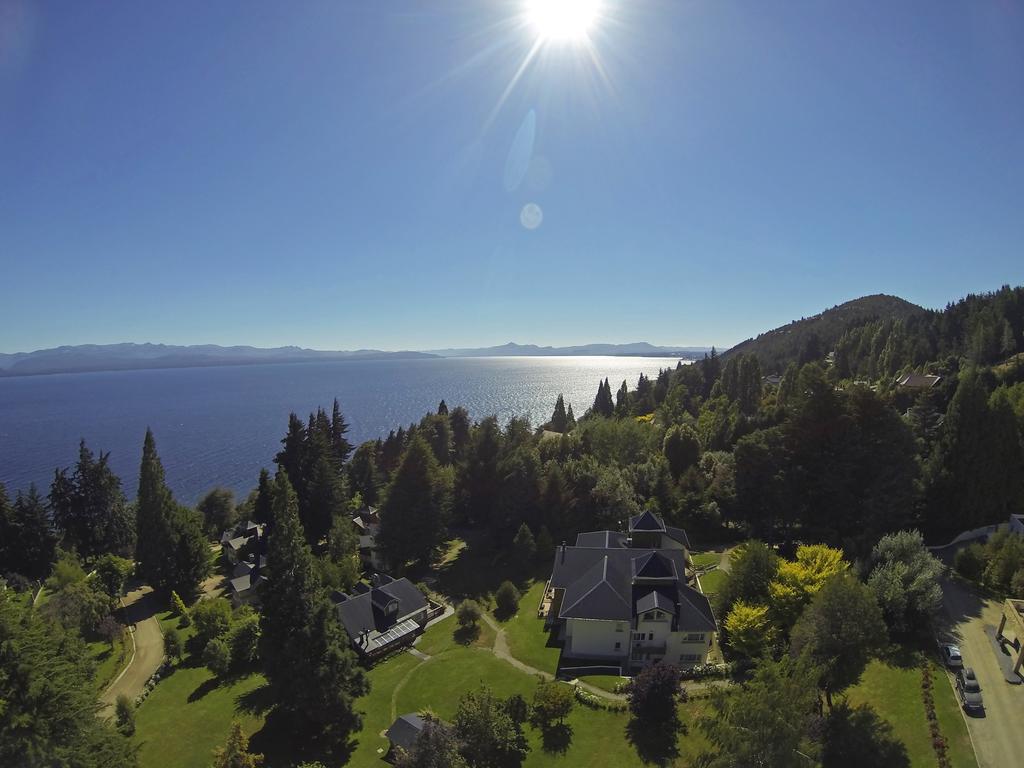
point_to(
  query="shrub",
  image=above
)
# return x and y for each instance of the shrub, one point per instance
(525, 546)
(468, 613)
(212, 619)
(125, 714)
(654, 691)
(181, 609)
(172, 644)
(507, 599)
(552, 703)
(244, 638)
(217, 656)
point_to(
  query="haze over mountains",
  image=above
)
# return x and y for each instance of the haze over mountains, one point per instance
(124, 357)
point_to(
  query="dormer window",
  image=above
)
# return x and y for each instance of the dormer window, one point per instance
(391, 608)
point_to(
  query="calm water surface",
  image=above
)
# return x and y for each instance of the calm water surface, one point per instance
(219, 426)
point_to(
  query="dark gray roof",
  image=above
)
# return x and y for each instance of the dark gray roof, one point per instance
(598, 584)
(602, 539)
(653, 566)
(405, 730)
(597, 595)
(363, 612)
(695, 610)
(656, 598)
(679, 535)
(646, 521)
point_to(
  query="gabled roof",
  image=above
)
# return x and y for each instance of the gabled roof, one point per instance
(656, 599)
(361, 612)
(918, 380)
(646, 521)
(405, 730)
(601, 539)
(596, 595)
(652, 565)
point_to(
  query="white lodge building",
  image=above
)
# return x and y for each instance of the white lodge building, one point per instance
(623, 598)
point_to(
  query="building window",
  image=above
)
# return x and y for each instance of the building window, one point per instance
(650, 616)
(618, 646)
(689, 658)
(695, 637)
(620, 627)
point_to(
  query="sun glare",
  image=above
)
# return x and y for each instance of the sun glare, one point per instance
(562, 20)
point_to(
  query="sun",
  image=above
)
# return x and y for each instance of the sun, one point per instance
(562, 20)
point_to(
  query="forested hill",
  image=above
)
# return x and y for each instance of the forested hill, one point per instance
(811, 338)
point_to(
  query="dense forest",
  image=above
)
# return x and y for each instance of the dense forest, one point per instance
(835, 454)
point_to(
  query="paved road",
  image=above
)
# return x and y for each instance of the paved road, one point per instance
(998, 737)
(139, 615)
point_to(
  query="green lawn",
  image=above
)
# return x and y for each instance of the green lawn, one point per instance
(711, 581)
(444, 636)
(187, 715)
(895, 694)
(704, 559)
(605, 682)
(109, 661)
(527, 639)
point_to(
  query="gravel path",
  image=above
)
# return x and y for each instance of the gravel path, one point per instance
(148, 642)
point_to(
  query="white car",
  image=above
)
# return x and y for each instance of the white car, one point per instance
(951, 656)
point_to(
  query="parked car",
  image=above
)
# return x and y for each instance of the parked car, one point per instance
(951, 656)
(968, 689)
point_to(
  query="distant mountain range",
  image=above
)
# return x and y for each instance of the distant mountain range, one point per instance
(127, 357)
(635, 349)
(810, 338)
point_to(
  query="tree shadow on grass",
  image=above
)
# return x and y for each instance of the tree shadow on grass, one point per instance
(857, 736)
(205, 687)
(655, 742)
(283, 741)
(556, 738)
(256, 702)
(467, 635)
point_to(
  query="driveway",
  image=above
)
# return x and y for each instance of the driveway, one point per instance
(998, 737)
(140, 609)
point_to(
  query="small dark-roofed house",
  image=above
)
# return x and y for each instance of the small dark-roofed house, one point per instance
(383, 616)
(244, 538)
(624, 598)
(917, 381)
(404, 732)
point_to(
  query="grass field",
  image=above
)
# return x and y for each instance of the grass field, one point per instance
(527, 639)
(711, 581)
(109, 660)
(894, 691)
(605, 682)
(704, 559)
(188, 714)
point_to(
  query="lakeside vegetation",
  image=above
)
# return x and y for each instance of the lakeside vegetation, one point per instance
(821, 480)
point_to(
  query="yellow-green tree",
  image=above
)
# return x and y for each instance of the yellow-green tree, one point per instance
(750, 629)
(800, 580)
(236, 754)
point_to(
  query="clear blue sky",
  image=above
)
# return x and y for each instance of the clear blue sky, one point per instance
(347, 174)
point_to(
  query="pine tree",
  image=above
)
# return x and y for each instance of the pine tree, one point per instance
(570, 419)
(153, 510)
(309, 664)
(339, 428)
(261, 510)
(89, 508)
(442, 408)
(328, 497)
(559, 421)
(603, 405)
(49, 712)
(171, 549)
(414, 514)
(27, 542)
(622, 399)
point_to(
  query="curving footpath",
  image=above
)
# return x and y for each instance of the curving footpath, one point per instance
(148, 648)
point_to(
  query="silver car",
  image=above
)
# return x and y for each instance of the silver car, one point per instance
(968, 688)
(951, 656)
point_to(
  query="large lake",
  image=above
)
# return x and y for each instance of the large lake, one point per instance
(219, 426)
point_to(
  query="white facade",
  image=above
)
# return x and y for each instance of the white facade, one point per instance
(652, 639)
